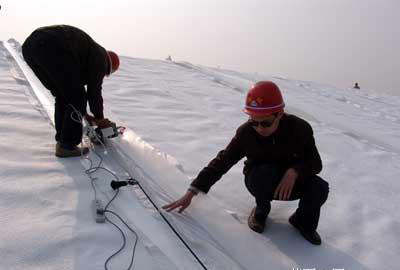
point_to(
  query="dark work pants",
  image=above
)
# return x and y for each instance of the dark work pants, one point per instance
(262, 182)
(56, 68)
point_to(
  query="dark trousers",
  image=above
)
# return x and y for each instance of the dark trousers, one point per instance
(56, 68)
(262, 182)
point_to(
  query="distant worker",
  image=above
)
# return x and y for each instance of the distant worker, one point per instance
(356, 86)
(282, 163)
(169, 58)
(65, 59)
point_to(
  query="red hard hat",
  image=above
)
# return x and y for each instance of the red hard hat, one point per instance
(264, 98)
(114, 59)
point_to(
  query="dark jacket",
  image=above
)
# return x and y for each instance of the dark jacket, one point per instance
(91, 60)
(292, 145)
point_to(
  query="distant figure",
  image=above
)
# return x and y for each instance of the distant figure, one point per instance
(356, 86)
(169, 58)
(65, 59)
(282, 163)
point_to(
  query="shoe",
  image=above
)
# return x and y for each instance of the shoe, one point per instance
(254, 224)
(75, 152)
(312, 237)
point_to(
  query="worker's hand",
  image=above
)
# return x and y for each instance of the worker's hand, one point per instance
(285, 187)
(103, 123)
(91, 120)
(183, 202)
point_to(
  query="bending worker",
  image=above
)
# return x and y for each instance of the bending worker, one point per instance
(65, 59)
(282, 163)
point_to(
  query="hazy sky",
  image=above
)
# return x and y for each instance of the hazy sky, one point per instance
(333, 41)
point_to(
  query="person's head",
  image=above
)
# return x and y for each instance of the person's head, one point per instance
(264, 105)
(114, 62)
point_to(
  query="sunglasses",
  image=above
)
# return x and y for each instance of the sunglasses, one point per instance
(264, 123)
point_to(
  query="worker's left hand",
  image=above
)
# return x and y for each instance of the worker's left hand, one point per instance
(91, 120)
(285, 187)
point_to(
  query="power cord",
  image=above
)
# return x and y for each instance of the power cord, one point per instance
(116, 184)
(100, 212)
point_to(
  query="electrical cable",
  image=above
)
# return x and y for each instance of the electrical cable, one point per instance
(120, 249)
(134, 246)
(135, 182)
(92, 170)
(89, 172)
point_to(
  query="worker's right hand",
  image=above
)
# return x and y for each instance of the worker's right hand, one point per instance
(103, 123)
(183, 202)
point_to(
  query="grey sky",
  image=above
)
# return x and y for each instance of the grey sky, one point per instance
(333, 41)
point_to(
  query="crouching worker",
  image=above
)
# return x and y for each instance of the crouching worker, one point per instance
(282, 163)
(65, 59)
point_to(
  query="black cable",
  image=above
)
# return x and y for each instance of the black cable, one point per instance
(92, 170)
(135, 182)
(112, 199)
(172, 228)
(134, 246)
(121, 248)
